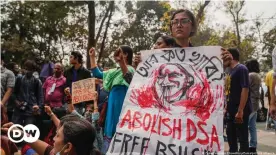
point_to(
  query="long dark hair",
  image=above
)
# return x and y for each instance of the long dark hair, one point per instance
(80, 133)
(253, 66)
(127, 50)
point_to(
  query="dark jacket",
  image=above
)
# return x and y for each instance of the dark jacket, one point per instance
(29, 91)
(82, 73)
(11, 104)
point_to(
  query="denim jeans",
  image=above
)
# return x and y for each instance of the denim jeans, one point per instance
(106, 143)
(252, 129)
(270, 120)
(235, 131)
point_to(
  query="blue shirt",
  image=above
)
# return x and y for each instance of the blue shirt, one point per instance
(74, 79)
(239, 79)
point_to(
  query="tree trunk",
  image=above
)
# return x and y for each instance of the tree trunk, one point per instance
(91, 29)
(111, 9)
(238, 33)
(200, 12)
(236, 18)
(101, 25)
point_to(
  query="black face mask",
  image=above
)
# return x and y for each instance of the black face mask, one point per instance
(29, 73)
(16, 72)
(58, 74)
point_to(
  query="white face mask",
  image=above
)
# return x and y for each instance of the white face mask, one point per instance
(58, 153)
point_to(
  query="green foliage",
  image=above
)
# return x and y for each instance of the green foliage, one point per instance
(269, 44)
(210, 37)
(42, 29)
(143, 26)
(52, 29)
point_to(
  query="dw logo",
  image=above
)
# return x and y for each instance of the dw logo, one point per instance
(17, 133)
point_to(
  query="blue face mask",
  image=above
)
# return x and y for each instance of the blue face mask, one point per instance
(58, 153)
(95, 116)
(88, 116)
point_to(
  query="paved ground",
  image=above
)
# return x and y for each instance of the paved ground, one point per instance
(266, 140)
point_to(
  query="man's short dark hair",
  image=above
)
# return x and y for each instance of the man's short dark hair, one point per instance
(235, 53)
(77, 55)
(11, 65)
(30, 64)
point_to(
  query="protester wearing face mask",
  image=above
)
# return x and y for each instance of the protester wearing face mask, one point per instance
(75, 136)
(49, 139)
(114, 82)
(91, 114)
(29, 96)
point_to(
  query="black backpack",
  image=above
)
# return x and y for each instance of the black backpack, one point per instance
(261, 114)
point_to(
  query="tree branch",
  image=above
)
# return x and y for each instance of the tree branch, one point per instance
(91, 29)
(62, 47)
(200, 13)
(242, 4)
(101, 25)
(111, 8)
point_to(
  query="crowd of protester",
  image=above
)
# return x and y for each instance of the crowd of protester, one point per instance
(78, 129)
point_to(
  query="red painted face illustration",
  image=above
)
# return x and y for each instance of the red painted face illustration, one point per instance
(173, 89)
(172, 82)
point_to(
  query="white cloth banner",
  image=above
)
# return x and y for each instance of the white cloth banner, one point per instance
(174, 105)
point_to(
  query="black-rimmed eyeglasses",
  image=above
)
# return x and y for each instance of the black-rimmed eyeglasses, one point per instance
(183, 21)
